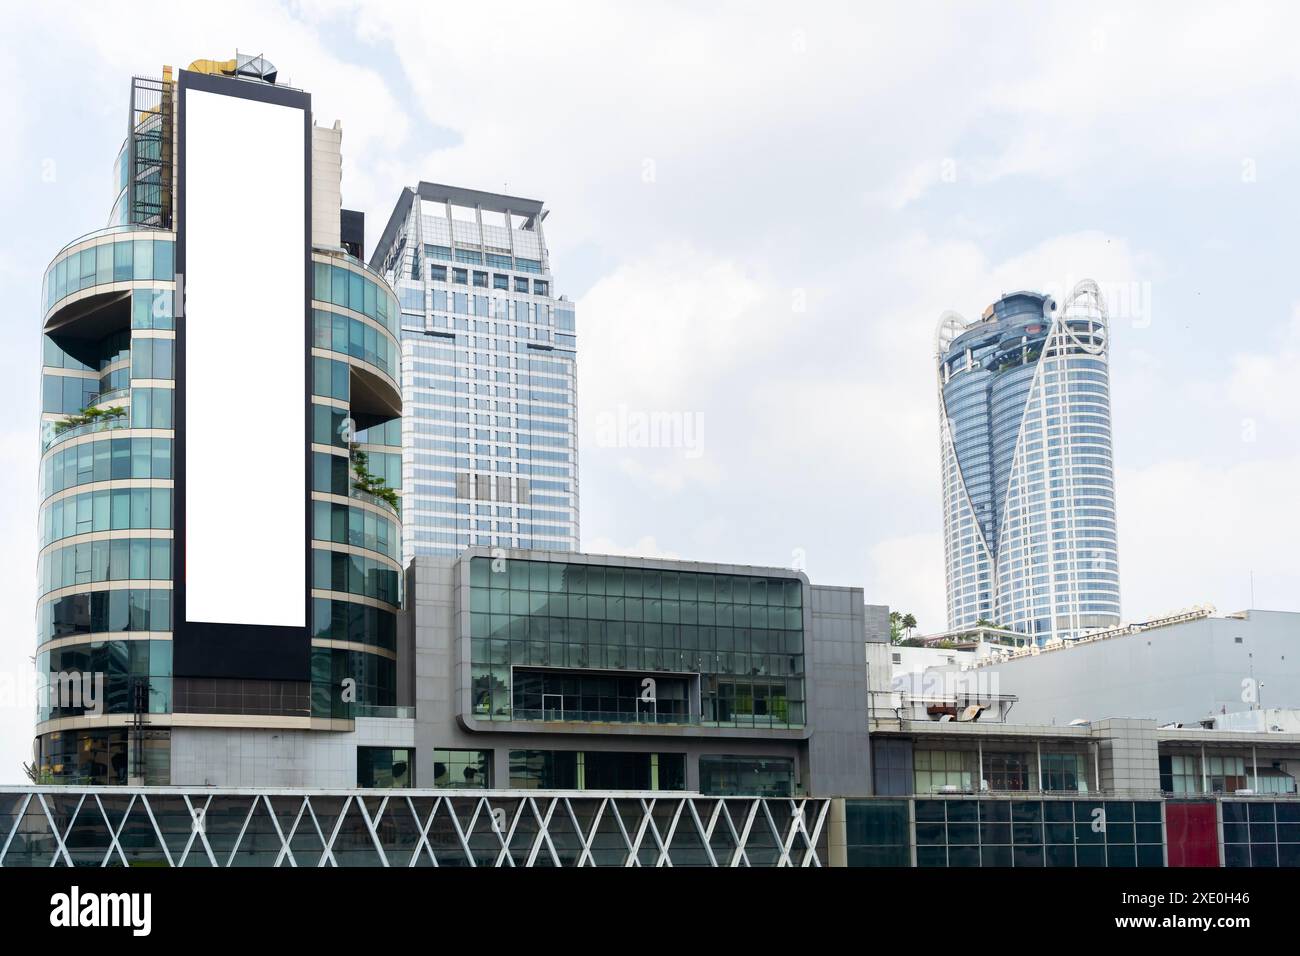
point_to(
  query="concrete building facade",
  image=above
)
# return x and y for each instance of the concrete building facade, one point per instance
(784, 713)
(1178, 671)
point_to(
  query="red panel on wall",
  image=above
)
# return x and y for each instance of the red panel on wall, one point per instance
(1192, 832)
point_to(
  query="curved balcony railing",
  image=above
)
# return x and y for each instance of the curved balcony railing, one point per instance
(343, 281)
(113, 395)
(50, 437)
(550, 715)
(57, 285)
(376, 710)
(106, 231)
(367, 497)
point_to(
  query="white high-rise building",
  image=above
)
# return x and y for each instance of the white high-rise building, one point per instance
(488, 374)
(1028, 473)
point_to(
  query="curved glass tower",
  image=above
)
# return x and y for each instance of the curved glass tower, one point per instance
(1028, 473)
(166, 428)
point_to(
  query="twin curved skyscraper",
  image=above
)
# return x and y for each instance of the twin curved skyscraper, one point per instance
(1028, 472)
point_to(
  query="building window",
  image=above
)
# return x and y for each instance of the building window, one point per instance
(540, 287)
(1260, 834)
(460, 276)
(1273, 780)
(1065, 772)
(521, 285)
(543, 770)
(500, 282)
(934, 770)
(892, 771)
(877, 833)
(1006, 771)
(751, 776)
(1180, 773)
(382, 767)
(596, 770)
(462, 769)
(481, 279)
(1226, 774)
(1037, 833)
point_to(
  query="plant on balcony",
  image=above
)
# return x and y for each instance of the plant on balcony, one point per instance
(88, 415)
(369, 483)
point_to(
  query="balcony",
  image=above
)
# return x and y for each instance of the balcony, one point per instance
(375, 500)
(560, 716)
(109, 397)
(50, 437)
(375, 710)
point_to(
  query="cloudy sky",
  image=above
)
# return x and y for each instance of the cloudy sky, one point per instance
(762, 211)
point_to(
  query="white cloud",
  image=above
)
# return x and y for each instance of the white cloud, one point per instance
(643, 547)
(671, 474)
(668, 330)
(1263, 385)
(906, 572)
(1193, 532)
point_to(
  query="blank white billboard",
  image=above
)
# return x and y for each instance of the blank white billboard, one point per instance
(245, 340)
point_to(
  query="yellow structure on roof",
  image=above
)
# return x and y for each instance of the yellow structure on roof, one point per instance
(222, 67)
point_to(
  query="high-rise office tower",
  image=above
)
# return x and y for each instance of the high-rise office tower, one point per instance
(488, 374)
(220, 448)
(1028, 473)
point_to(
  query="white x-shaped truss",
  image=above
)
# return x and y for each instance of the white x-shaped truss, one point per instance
(58, 826)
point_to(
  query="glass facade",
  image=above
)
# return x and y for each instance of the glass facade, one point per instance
(347, 682)
(1192, 773)
(742, 635)
(462, 769)
(1028, 472)
(723, 775)
(1002, 833)
(103, 757)
(936, 769)
(107, 419)
(1261, 834)
(116, 668)
(488, 382)
(383, 767)
(596, 770)
(356, 535)
(139, 256)
(878, 832)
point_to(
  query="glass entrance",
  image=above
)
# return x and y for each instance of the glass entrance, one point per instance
(552, 707)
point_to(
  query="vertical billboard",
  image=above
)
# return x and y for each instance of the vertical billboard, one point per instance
(242, 492)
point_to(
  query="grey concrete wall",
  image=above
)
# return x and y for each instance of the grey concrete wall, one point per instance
(229, 757)
(326, 185)
(839, 753)
(1180, 673)
(431, 615)
(1127, 754)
